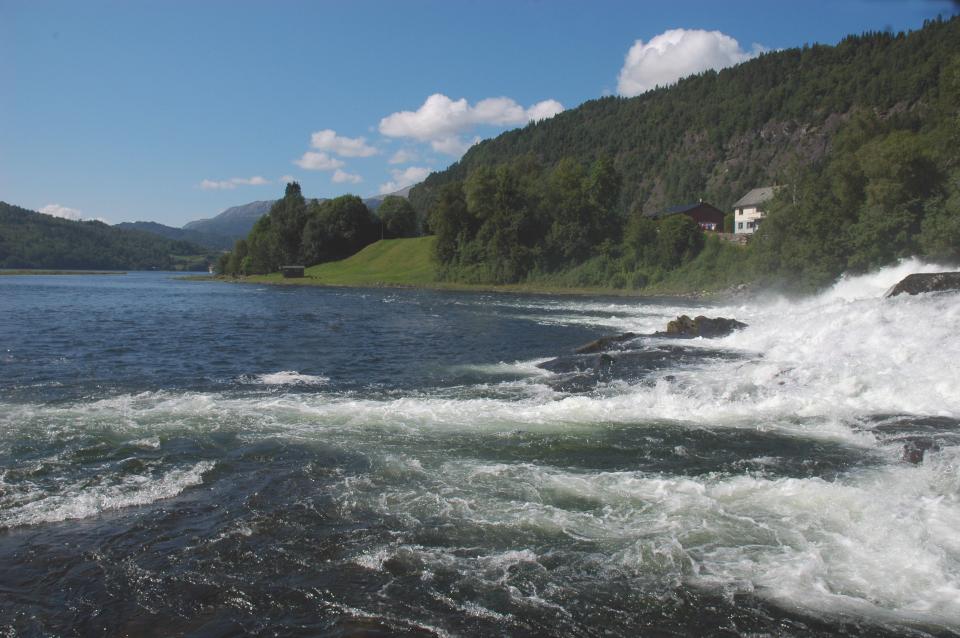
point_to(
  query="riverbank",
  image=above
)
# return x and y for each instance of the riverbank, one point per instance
(407, 263)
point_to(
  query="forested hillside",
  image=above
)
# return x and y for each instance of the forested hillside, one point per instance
(863, 135)
(718, 134)
(32, 240)
(211, 242)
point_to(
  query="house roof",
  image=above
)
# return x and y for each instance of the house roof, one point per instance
(673, 210)
(756, 196)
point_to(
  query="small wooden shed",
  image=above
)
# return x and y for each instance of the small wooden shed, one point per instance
(290, 272)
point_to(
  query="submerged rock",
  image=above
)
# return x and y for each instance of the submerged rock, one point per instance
(700, 326)
(914, 451)
(604, 343)
(926, 282)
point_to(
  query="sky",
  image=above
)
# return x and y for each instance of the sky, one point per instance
(172, 111)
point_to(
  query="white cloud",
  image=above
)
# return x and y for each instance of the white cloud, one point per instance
(313, 161)
(56, 210)
(441, 120)
(453, 145)
(286, 179)
(402, 157)
(328, 140)
(677, 53)
(340, 177)
(403, 178)
(233, 182)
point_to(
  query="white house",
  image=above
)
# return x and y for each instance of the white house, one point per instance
(749, 210)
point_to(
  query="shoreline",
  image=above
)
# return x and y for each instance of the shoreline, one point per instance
(519, 289)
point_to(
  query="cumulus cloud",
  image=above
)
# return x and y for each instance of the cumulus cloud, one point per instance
(314, 161)
(402, 157)
(677, 53)
(328, 140)
(56, 210)
(342, 177)
(233, 182)
(441, 120)
(453, 145)
(403, 178)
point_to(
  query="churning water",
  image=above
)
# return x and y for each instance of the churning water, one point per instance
(209, 459)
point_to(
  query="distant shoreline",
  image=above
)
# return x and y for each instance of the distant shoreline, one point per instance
(62, 272)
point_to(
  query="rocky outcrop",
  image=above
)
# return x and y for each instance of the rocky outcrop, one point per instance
(926, 282)
(700, 326)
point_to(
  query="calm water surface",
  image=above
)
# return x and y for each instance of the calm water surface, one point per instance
(205, 459)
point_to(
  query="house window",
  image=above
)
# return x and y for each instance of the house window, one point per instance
(749, 224)
(740, 225)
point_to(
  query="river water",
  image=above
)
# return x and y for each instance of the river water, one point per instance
(205, 459)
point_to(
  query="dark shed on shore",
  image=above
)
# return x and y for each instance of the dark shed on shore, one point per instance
(292, 271)
(707, 216)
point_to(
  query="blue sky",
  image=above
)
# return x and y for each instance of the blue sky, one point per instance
(172, 111)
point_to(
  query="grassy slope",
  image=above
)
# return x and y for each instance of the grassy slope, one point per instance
(408, 262)
(390, 262)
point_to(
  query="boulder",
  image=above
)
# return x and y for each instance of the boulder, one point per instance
(926, 282)
(914, 451)
(700, 326)
(604, 343)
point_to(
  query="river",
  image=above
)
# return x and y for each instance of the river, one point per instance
(206, 459)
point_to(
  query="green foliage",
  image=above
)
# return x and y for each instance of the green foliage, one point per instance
(503, 223)
(398, 218)
(679, 239)
(296, 232)
(32, 240)
(881, 194)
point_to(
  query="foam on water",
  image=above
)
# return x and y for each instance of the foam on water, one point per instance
(89, 497)
(290, 377)
(879, 544)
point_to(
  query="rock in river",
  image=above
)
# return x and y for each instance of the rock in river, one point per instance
(700, 326)
(926, 282)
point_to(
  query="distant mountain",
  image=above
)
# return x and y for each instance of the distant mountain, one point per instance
(373, 203)
(29, 239)
(210, 241)
(235, 223)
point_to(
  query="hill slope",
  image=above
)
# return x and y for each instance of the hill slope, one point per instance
(212, 242)
(718, 134)
(388, 261)
(32, 240)
(234, 223)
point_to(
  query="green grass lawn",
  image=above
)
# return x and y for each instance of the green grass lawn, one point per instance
(389, 262)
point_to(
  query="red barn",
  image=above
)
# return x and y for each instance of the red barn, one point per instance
(708, 217)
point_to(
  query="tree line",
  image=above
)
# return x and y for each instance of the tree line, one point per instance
(297, 231)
